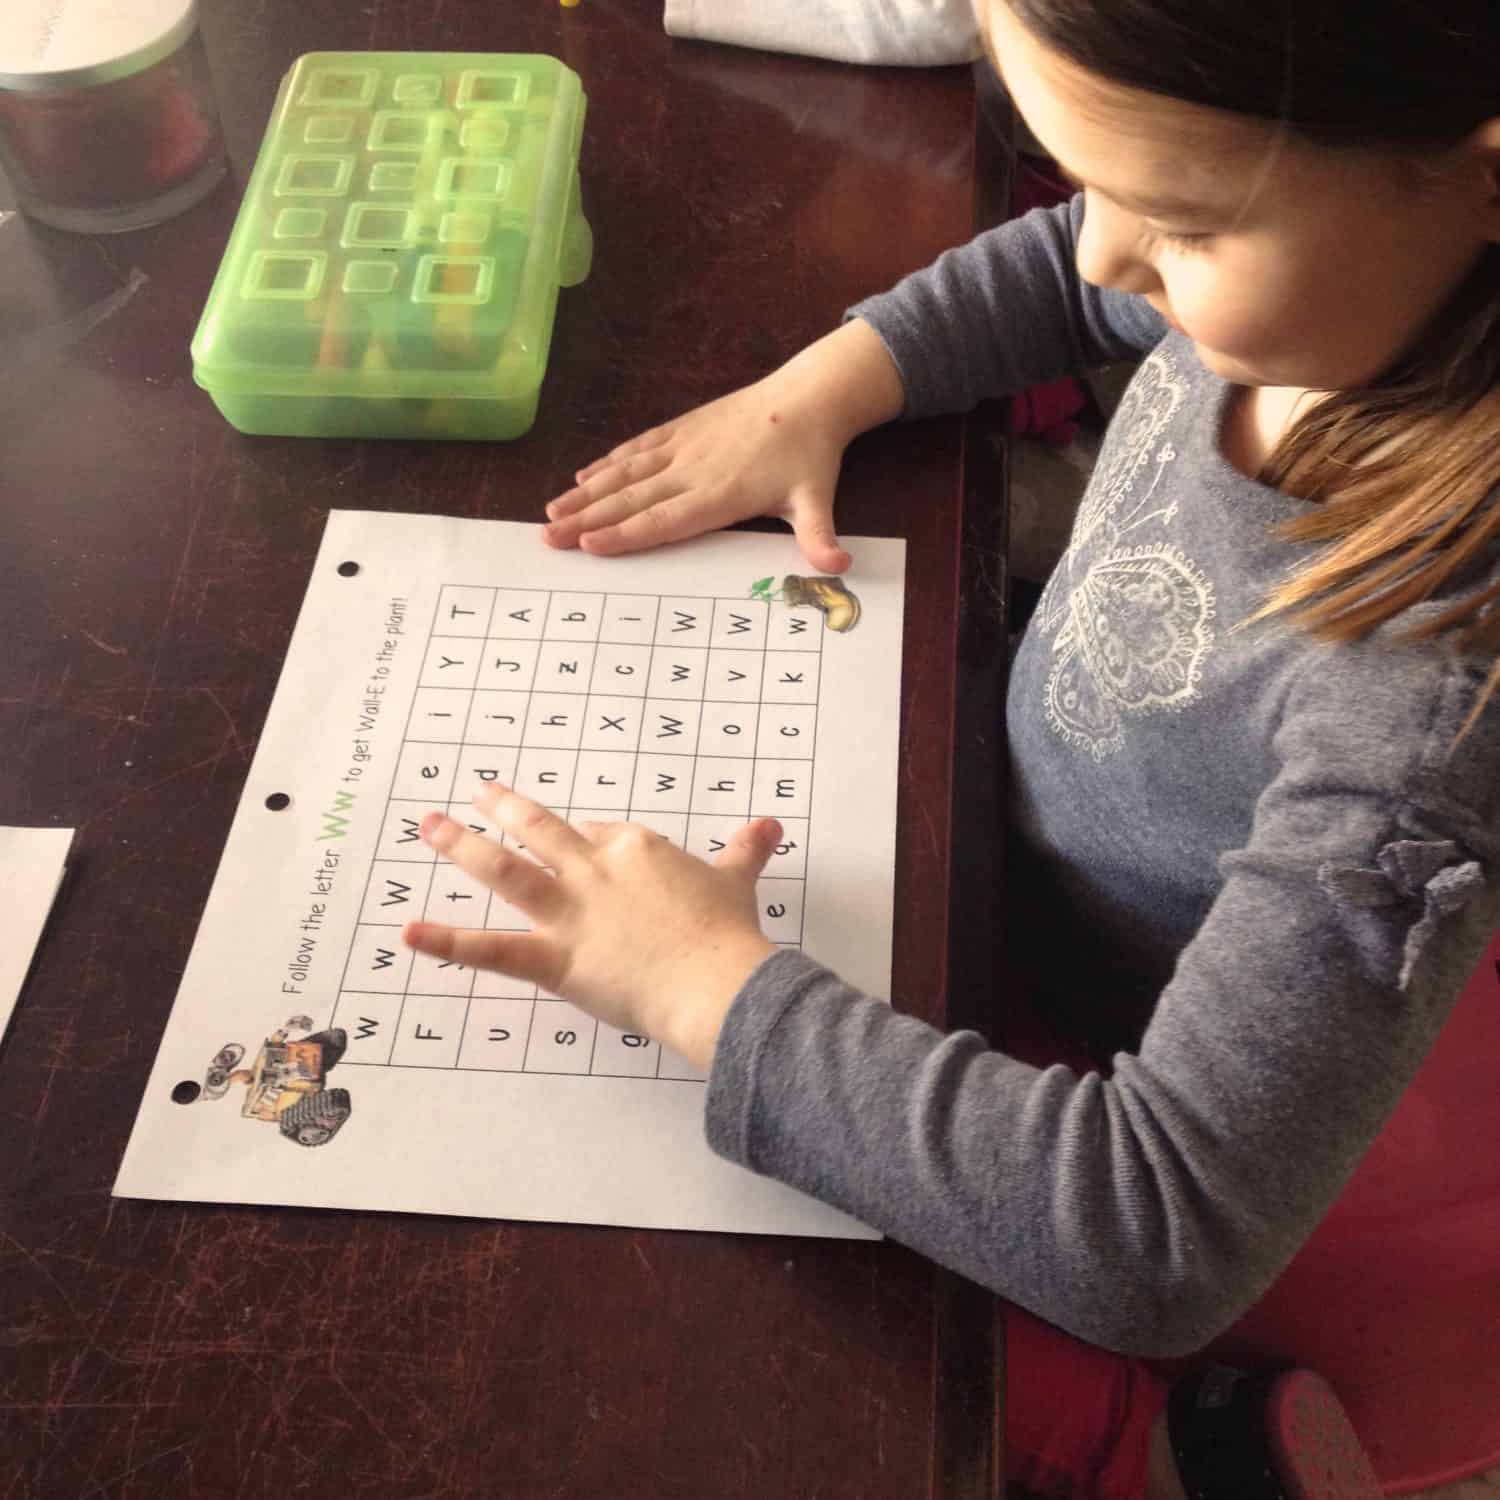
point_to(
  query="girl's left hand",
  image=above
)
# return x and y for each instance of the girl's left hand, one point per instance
(627, 927)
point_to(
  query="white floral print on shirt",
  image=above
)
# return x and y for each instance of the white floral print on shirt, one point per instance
(1129, 619)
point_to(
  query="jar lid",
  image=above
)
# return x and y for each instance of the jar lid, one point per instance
(60, 44)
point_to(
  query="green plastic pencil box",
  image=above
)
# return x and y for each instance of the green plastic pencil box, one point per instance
(394, 267)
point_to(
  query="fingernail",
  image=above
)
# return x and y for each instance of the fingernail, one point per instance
(439, 831)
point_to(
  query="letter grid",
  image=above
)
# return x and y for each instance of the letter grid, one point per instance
(687, 715)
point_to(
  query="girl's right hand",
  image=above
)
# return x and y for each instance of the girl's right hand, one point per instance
(772, 448)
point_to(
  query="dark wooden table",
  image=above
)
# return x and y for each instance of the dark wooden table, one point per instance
(151, 564)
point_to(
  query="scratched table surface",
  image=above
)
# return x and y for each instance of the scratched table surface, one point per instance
(152, 561)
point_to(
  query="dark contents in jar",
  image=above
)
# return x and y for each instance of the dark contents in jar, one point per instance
(101, 146)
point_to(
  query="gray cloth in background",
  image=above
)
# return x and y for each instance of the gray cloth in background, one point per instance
(1257, 865)
(907, 33)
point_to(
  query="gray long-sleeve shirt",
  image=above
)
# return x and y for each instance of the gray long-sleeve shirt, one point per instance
(1262, 861)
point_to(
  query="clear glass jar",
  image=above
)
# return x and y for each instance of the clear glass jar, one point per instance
(107, 113)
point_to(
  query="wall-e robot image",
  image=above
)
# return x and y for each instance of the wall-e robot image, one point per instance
(287, 1084)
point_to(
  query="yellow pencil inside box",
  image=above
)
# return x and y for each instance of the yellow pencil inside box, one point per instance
(394, 267)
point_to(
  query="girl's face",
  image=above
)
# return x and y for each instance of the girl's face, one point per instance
(1287, 264)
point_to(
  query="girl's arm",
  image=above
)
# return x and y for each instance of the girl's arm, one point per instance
(772, 448)
(1003, 312)
(1144, 1211)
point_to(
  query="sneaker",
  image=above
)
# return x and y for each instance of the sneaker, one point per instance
(1277, 1435)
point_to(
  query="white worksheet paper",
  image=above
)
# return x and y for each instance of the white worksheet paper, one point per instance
(31, 869)
(311, 1059)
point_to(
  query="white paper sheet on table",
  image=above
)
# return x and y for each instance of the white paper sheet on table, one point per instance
(459, 1093)
(31, 869)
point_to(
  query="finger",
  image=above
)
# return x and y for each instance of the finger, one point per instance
(670, 520)
(653, 437)
(523, 955)
(544, 834)
(599, 833)
(619, 506)
(608, 476)
(556, 534)
(522, 883)
(568, 503)
(812, 522)
(747, 849)
(597, 478)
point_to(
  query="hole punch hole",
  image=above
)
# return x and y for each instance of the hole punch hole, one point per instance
(348, 569)
(186, 1092)
(278, 800)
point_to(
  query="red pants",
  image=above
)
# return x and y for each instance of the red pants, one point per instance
(1395, 1299)
(1077, 1418)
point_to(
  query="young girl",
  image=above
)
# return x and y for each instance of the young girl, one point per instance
(1255, 767)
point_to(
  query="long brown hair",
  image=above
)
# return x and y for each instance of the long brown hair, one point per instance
(1407, 466)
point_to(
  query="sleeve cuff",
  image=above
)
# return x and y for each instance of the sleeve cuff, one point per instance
(765, 997)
